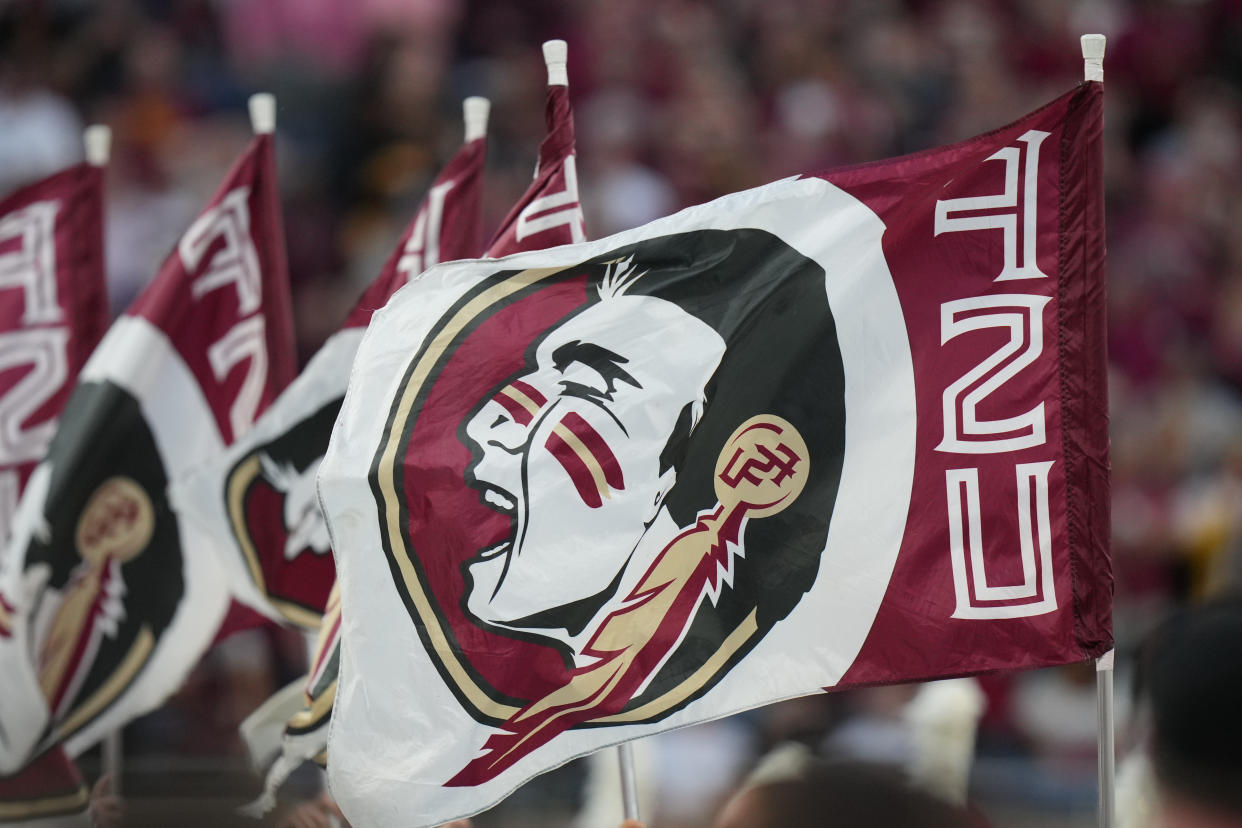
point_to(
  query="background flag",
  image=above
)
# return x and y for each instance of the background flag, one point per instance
(305, 735)
(835, 430)
(115, 597)
(548, 214)
(257, 501)
(53, 311)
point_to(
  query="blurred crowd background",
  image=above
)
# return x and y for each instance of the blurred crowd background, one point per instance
(678, 102)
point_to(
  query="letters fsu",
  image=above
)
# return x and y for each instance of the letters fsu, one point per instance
(236, 265)
(980, 418)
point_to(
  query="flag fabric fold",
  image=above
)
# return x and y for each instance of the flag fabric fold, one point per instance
(841, 429)
(53, 311)
(114, 598)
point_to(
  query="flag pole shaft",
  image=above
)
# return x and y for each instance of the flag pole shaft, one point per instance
(113, 754)
(1093, 71)
(629, 784)
(1106, 733)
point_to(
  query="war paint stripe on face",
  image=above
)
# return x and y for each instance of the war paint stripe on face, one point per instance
(587, 459)
(598, 449)
(521, 400)
(588, 478)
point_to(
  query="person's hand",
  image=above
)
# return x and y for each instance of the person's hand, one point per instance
(457, 823)
(632, 823)
(106, 808)
(307, 815)
(322, 813)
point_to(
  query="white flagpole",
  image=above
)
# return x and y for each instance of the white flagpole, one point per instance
(1093, 70)
(629, 784)
(1104, 722)
(555, 57)
(113, 754)
(97, 142)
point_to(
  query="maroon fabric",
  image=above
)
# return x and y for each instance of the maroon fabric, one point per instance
(57, 221)
(49, 786)
(917, 633)
(460, 223)
(1084, 347)
(447, 226)
(552, 198)
(196, 311)
(53, 297)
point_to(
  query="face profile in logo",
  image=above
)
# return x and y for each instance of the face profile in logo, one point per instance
(273, 512)
(601, 486)
(578, 453)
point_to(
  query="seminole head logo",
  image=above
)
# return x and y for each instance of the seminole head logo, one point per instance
(273, 512)
(115, 527)
(641, 491)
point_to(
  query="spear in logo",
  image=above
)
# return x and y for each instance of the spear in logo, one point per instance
(761, 470)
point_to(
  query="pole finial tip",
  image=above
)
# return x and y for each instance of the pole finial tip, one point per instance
(475, 111)
(263, 113)
(97, 140)
(1093, 56)
(555, 54)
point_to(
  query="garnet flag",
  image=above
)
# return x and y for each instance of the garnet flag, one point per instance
(304, 736)
(114, 598)
(552, 198)
(257, 501)
(53, 310)
(838, 429)
(548, 214)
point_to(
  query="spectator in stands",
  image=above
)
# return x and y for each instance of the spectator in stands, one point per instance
(1191, 679)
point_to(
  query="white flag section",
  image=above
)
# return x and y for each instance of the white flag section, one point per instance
(113, 597)
(143, 389)
(568, 463)
(281, 451)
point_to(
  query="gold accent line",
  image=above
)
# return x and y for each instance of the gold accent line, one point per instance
(319, 707)
(587, 457)
(522, 399)
(329, 621)
(584, 704)
(392, 511)
(321, 758)
(694, 682)
(235, 495)
(116, 683)
(239, 481)
(47, 806)
(6, 619)
(307, 619)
